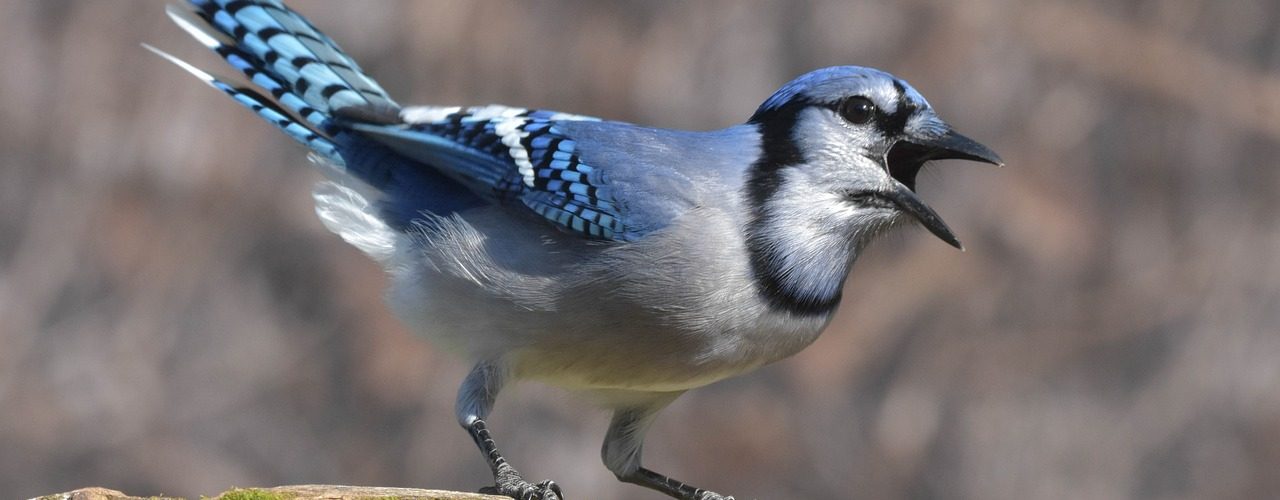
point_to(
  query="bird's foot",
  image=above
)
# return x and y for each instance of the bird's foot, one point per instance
(509, 483)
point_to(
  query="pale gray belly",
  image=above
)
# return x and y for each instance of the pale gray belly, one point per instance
(668, 313)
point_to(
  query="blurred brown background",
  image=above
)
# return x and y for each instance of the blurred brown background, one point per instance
(173, 318)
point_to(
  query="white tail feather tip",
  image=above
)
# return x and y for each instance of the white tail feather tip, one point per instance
(199, 73)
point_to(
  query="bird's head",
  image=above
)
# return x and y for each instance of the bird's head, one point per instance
(844, 145)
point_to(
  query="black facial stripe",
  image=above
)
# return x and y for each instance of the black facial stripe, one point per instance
(778, 151)
(902, 91)
(890, 124)
(895, 123)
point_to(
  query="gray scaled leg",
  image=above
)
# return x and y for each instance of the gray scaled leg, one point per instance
(475, 400)
(622, 447)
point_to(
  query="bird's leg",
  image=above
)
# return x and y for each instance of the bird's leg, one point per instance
(475, 400)
(507, 481)
(676, 489)
(622, 447)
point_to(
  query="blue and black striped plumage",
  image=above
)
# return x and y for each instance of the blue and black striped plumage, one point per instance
(285, 46)
(530, 160)
(321, 98)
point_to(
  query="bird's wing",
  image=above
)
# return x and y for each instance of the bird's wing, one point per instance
(538, 160)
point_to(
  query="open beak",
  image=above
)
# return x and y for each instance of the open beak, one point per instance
(907, 200)
(909, 154)
(953, 146)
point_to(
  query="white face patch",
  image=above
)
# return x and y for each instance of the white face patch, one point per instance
(847, 153)
(816, 233)
(823, 212)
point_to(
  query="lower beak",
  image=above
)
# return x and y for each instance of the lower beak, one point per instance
(907, 200)
(908, 155)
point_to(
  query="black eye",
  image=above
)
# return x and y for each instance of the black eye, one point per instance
(858, 110)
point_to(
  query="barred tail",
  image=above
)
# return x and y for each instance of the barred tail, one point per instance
(264, 108)
(278, 50)
(279, 46)
(310, 81)
(317, 96)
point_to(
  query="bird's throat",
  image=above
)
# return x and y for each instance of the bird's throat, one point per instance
(803, 276)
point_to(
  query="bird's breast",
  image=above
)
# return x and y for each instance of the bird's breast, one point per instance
(674, 311)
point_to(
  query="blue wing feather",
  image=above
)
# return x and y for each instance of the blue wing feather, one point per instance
(596, 179)
(515, 155)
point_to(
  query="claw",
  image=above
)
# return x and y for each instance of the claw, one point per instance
(551, 490)
(520, 489)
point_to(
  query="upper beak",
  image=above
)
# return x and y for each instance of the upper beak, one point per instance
(909, 154)
(953, 146)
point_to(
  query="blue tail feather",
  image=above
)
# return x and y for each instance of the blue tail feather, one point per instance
(266, 109)
(315, 94)
(309, 63)
(248, 65)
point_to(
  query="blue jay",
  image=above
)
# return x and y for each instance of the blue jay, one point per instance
(626, 262)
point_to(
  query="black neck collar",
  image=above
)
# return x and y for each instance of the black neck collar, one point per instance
(764, 178)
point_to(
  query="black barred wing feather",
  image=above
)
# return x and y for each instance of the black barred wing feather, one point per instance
(513, 156)
(318, 95)
(506, 155)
